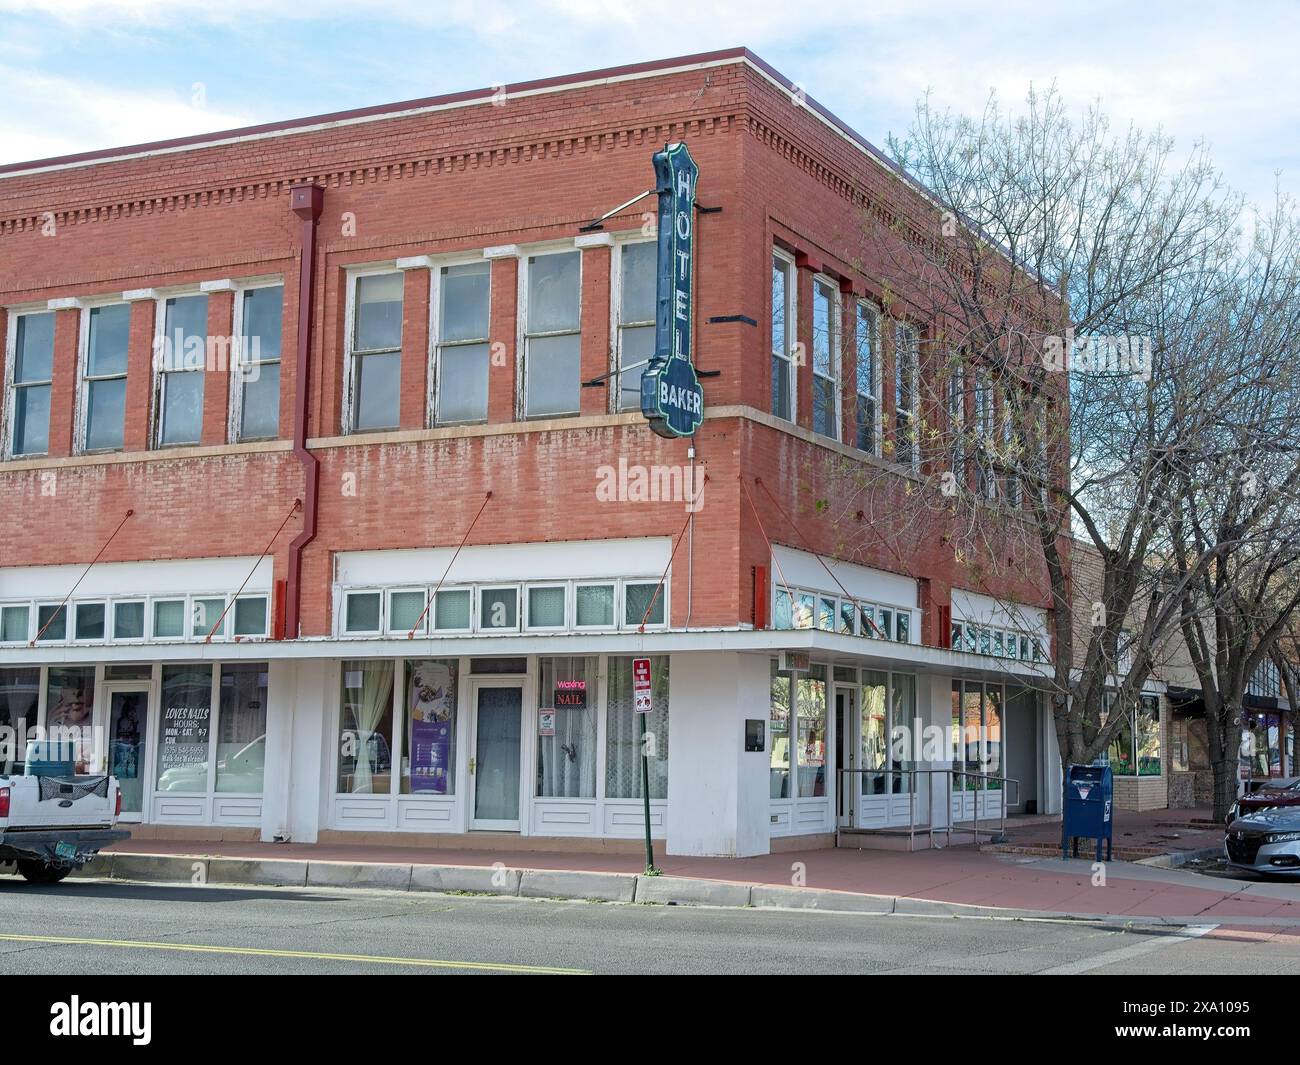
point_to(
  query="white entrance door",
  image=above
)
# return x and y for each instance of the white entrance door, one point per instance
(846, 756)
(495, 762)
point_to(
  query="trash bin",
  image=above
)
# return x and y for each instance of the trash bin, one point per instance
(1086, 811)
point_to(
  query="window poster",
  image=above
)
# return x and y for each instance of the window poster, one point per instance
(432, 702)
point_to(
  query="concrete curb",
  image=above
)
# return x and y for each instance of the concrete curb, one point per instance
(1177, 859)
(550, 884)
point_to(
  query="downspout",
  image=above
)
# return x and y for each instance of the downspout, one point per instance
(306, 201)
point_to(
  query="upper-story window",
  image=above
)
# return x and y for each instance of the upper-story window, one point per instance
(103, 376)
(957, 421)
(462, 351)
(986, 482)
(31, 362)
(826, 357)
(635, 340)
(374, 364)
(868, 409)
(784, 337)
(181, 358)
(553, 335)
(906, 359)
(256, 397)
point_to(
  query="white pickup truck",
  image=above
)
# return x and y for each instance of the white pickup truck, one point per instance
(53, 820)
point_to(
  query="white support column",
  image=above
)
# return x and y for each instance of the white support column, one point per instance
(1049, 752)
(717, 791)
(297, 754)
(934, 708)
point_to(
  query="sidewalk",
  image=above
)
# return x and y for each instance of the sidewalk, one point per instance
(962, 881)
(1137, 836)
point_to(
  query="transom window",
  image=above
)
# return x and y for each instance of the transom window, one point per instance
(375, 353)
(826, 357)
(553, 335)
(103, 383)
(637, 280)
(784, 337)
(31, 355)
(134, 619)
(181, 358)
(463, 353)
(799, 608)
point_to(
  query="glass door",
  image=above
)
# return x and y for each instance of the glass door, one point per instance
(128, 729)
(495, 763)
(846, 746)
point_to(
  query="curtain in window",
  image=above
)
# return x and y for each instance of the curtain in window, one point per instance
(366, 725)
(566, 761)
(622, 740)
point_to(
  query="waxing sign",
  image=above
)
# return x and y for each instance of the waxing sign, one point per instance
(671, 397)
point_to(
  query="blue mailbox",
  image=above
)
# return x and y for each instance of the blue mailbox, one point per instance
(1089, 791)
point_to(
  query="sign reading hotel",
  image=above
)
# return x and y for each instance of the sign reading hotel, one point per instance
(671, 396)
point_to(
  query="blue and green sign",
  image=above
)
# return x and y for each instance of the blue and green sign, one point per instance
(671, 396)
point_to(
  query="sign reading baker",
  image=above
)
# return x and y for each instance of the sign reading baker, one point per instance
(671, 396)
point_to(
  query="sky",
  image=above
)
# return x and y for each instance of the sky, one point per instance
(76, 75)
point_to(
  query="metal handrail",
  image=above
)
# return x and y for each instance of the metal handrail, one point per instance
(949, 773)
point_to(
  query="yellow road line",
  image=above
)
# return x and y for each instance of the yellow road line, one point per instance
(203, 948)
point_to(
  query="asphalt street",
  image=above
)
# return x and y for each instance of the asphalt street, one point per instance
(113, 927)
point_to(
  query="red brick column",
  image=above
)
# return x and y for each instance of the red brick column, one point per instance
(63, 388)
(502, 358)
(413, 403)
(217, 376)
(139, 376)
(595, 360)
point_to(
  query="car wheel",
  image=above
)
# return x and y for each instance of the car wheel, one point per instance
(38, 872)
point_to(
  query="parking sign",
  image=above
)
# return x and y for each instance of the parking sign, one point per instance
(642, 701)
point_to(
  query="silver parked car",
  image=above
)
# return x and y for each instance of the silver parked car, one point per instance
(1267, 842)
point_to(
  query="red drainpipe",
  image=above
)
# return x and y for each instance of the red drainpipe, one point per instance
(306, 202)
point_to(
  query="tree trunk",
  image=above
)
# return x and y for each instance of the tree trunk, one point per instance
(1223, 727)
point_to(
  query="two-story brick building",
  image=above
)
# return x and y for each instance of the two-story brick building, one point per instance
(387, 571)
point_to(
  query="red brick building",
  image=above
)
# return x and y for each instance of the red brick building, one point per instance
(386, 570)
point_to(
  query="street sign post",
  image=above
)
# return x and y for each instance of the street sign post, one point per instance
(644, 704)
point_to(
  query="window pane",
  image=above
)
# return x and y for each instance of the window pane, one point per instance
(250, 616)
(595, 604)
(778, 306)
(207, 613)
(811, 747)
(991, 752)
(31, 420)
(13, 624)
(546, 607)
(379, 312)
(366, 728)
(20, 691)
(105, 414)
(866, 368)
(35, 351)
(53, 619)
(463, 383)
(182, 414)
(554, 373)
(261, 327)
(451, 610)
(378, 384)
(90, 621)
(636, 347)
(866, 424)
(639, 267)
(499, 608)
(185, 331)
(1146, 738)
(783, 615)
(429, 758)
(823, 327)
(622, 732)
(566, 758)
(70, 709)
(241, 728)
(464, 302)
(362, 612)
(553, 292)
(637, 598)
(184, 728)
(128, 621)
(260, 416)
(404, 610)
(108, 340)
(169, 619)
(780, 387)
(874, 725)
(824, 406)
(778, 728)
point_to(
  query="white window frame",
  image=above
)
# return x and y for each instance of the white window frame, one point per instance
(633, 626)
(25, 605)
(874, 316)
(74, 610)
(433, 630)
(347, 421)
(791, 333)
(613, 624)
(436, 344)
(477, 618)
(67, 622)
(235, 600)
(533, 586)
(150, 620)
(911, 413)
(159, 374)
(227, 620)
(111, 622)
(84, 380)
(234, 429)
(387, 610)
(617, 404)
(836, 339)
(525, 338)
(11, 388)
(344, 599)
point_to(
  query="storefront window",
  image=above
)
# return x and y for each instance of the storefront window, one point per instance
(779, 734)
(810, 704)
(1261, 748)
(185, 726)
(70, 710)
(991, 748)
(622, 740)
(1134, 750)
(566, 740)
(429, 754)
(875, 731)
(977, 734)
(241, 728)
(20, 691)
(366, 728)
